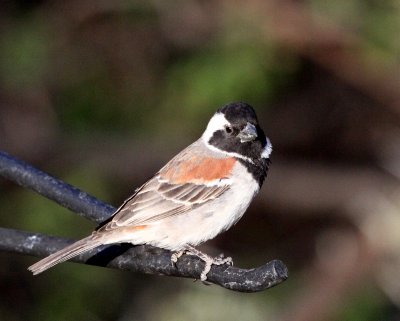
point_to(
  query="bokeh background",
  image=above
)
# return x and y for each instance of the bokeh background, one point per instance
(103, 93)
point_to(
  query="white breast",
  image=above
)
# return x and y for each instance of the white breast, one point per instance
(205, 222)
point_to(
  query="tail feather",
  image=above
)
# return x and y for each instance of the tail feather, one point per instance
(65, 254)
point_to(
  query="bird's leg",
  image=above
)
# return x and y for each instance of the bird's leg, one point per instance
(208, 260)
(176, 255)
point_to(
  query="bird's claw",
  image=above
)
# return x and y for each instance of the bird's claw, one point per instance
(175, 257)
(208, 260)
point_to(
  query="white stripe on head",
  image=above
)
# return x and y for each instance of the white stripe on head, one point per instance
(217, 122)
(267, 149)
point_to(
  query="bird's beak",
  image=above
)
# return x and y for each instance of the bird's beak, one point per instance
(248, 133)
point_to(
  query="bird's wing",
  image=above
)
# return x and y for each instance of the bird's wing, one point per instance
(182, 185)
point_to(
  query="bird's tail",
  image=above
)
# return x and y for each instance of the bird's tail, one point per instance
(65, 254)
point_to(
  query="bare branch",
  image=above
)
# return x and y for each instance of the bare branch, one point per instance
(55, 189)
(145, 259)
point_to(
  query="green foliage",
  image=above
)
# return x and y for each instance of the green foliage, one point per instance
(367, 305)
(75, 294)
(214, 77)
(376, 23)
(90, 105)
(24, 52)
(36, 213)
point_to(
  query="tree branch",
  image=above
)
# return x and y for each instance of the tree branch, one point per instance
(55, 189)
(144, 258)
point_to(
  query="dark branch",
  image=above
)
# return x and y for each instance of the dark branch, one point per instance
(147, 259)
(62, 193)
(142, 258)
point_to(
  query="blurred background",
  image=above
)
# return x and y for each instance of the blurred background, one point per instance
(103, 93)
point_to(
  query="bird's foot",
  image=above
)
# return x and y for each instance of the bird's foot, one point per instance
(176, 255)
(209, 261)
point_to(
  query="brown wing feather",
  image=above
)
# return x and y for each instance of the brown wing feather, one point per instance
(166, 195)
(149, 206)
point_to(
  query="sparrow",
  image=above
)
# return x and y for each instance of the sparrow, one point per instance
(198, 194)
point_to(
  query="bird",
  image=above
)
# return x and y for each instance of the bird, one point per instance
(201, 192)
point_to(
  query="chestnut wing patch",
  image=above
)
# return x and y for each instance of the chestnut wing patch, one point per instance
(199, 170)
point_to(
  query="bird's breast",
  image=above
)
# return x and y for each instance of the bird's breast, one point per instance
(207, 221)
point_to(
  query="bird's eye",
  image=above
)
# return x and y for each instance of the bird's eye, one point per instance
(228, 129)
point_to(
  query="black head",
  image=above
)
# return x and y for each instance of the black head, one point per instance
(237, 113)
(234, 129)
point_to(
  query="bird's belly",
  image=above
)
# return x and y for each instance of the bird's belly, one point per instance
(204, 222)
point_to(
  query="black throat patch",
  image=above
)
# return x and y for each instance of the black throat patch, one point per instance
(258, 169)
